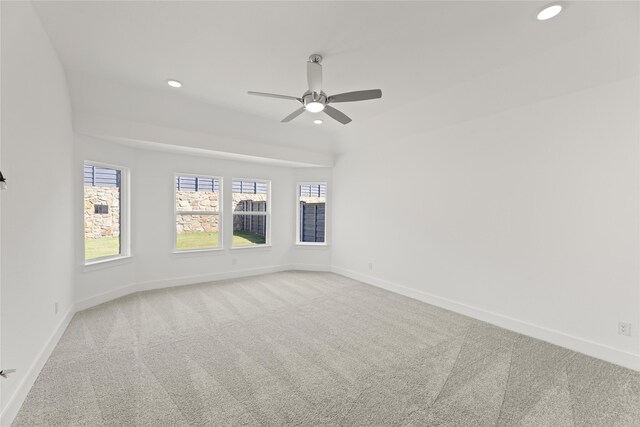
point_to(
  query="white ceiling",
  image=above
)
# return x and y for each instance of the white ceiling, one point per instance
(436, 62)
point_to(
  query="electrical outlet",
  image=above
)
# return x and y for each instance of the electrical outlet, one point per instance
(624, 328)
(370, 266)
(55, 307)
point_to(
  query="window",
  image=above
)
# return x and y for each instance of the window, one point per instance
(104, 212)
(311, 217)
(197, 207)
(250, 213)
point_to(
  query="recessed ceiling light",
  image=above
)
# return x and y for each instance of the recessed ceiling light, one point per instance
(549, 12)
(317, 121)
(174, 83)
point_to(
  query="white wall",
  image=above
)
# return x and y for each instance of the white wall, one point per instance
(314, 257)
(154, 239)
(528, 218)
(37, 209)
(105, 278)
(153, 263)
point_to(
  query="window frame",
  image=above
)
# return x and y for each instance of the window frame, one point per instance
(125, 215)
(298, 219)
(266, 213)
(219, 213)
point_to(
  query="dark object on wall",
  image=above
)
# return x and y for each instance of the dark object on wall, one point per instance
(3, 182)
(101, 209)
(5, 372)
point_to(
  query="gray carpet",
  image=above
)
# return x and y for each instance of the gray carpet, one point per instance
(309, 349)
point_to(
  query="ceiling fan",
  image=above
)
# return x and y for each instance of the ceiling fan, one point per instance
(315, 100)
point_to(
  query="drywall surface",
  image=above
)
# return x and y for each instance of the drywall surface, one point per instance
(313, 257)
(153, 262)
(37, 209)
(531, 214)
(103, 278)
(175, 139)
(154, 195)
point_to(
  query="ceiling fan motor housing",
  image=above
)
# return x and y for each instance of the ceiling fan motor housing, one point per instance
(309, 96)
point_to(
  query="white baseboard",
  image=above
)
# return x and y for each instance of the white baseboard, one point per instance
(311, 267)
(105, 297)
(29, 378)
(609, 354)
(177, 281)
(192, 280)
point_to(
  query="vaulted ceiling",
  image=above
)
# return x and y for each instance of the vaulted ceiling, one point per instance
(437, 63)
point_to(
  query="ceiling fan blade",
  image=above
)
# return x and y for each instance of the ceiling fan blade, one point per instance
(336, 114)
(293, 115)
(314, 76)
(273, 95)
(360, 95)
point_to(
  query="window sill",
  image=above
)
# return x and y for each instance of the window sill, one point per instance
(197, 251)
(241, 248)
(312, 245)
(106, 263)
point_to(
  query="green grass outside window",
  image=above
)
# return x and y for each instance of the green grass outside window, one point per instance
(109, 246)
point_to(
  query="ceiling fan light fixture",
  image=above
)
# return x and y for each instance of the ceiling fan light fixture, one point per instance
(549, 12)
(315, 100)
(314, 107)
